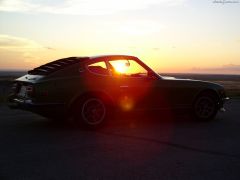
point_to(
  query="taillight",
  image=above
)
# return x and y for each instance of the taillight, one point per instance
(30, 90)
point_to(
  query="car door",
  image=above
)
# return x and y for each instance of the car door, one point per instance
(99, 79)
(136, 89)
(167, 94)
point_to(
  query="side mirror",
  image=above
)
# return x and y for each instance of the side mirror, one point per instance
(152, 75)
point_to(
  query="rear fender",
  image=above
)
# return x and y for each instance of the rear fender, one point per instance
(77, 99)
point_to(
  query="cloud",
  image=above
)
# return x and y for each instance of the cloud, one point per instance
(138, 27)
(50, 48)
(21, 47)
(20, 44)
(17, 43)
(81, 7)
(225, 69)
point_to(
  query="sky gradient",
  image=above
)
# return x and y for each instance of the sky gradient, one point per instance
(188, 36)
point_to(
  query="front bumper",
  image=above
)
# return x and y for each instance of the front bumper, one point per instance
(222, 102)
(226, 99)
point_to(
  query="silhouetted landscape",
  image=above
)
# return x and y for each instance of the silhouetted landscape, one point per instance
(231, 83)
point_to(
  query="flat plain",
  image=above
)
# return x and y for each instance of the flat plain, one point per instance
(142, 145)
(132, 146)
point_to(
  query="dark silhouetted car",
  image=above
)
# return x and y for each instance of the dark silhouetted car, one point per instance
(89, 89)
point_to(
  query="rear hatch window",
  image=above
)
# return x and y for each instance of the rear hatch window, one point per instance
(54, 66)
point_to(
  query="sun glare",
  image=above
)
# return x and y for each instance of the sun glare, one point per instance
(120, 67)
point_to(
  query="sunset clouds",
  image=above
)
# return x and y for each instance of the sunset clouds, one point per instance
(82, 7)
(17, 43)
(169, 35)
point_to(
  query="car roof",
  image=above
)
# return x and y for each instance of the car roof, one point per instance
(104, 57)
(113, 57)
(65, 62)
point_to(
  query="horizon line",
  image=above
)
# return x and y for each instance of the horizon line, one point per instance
(192, 73)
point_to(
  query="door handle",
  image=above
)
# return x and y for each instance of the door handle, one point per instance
(124, 86)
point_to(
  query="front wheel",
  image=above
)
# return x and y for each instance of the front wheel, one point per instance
(205, 107)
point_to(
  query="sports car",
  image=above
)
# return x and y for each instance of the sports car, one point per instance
(89, 90)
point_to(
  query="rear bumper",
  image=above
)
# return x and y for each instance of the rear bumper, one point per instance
(45, 109)
(20, 104)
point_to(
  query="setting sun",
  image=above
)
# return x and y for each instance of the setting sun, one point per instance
(120, 66)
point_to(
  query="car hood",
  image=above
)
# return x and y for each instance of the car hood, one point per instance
(191, 82)
(168, 77)
(177, 79)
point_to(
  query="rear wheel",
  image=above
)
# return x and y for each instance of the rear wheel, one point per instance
(92, 112)
(205, 107)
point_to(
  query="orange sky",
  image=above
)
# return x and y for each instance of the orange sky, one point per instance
(168, 35)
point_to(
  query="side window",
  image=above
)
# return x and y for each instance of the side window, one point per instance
(98, 68)
(127, 68)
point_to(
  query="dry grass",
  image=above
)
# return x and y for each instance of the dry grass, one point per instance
(232, 87)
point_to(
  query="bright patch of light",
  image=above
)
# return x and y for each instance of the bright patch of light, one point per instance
(126, 103)
(120, 67)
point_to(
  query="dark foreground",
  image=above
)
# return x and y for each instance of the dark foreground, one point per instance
(131, 147)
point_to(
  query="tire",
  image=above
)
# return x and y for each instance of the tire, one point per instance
(91, 112)
(205, 107)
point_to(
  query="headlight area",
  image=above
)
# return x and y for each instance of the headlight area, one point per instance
(222, 93)
(223, 98)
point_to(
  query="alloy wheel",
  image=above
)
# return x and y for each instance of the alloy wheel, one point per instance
(93, 111)
(205, 107)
